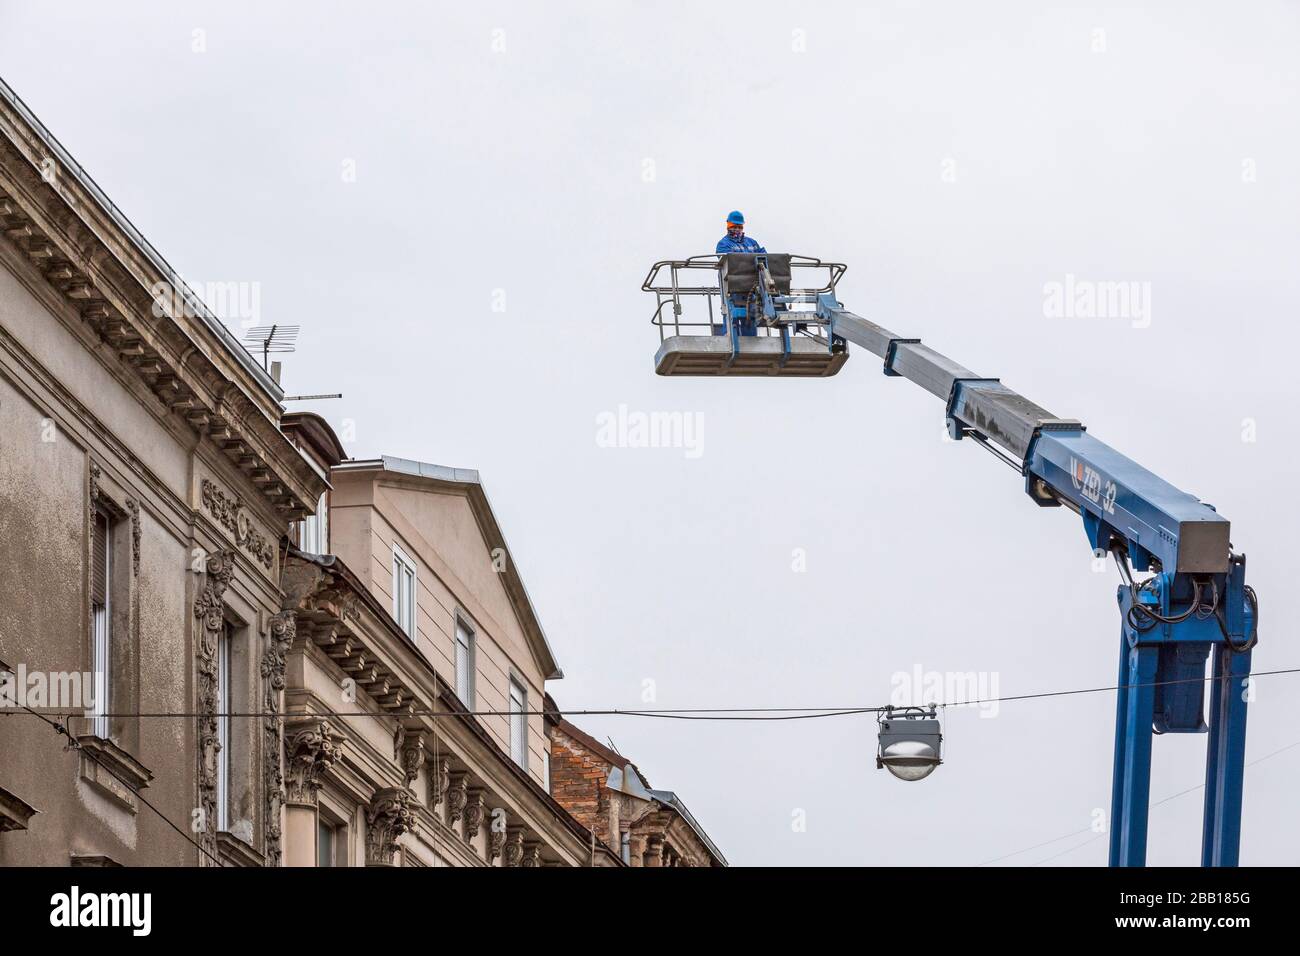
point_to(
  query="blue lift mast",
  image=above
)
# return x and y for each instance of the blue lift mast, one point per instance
(1195, 606)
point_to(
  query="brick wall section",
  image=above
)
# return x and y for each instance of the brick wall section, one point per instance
(578, 776)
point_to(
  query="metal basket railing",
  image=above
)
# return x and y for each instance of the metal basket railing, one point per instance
(666, 279)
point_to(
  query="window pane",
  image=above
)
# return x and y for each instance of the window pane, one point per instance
(518, 725)
(464, 665)
(101, 542)
(99, 668)
(408, 599)
(324, 844)
(403, 592)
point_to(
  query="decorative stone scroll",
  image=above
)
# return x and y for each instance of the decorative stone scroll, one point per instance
(512, 854)
(310, 749)
(209, 610)
(387, 818)
(279, 638)
(228, 511)
(473, 813)
(439, 780)
(457, 796)
(412, 754)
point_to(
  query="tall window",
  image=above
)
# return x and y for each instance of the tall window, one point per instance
(404, 591)
(101, 616)
(224, 698)
(313, 531)
(326, 843)
(464, 664)
(518, 724)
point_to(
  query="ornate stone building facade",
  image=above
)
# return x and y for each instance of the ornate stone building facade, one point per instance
(259, 698)
(145, 487)
(413, 620)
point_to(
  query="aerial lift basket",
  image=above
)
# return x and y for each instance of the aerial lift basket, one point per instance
(756, 322)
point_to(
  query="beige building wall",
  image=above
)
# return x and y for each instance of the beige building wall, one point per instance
(456, 576)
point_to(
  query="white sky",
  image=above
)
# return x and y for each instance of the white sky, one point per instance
(522, 170)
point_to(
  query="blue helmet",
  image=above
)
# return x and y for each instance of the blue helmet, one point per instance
(736, 217)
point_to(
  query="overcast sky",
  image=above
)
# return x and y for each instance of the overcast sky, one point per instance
(392, 178)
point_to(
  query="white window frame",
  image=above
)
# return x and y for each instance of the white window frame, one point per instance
(101, 637)
(519, 723)
(224, 698)
(405, 617)
(465, 651)
(313, 531)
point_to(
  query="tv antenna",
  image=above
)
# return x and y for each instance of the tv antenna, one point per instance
(271, 338)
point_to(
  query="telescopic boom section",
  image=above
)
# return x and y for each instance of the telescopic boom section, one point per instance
(1062, 464)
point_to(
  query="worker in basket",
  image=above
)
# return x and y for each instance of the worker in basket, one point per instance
(736, 241)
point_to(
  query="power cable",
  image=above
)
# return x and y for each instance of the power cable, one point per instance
(710, 713)
(75, 744)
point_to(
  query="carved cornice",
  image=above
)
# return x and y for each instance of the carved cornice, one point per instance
(496, 841)
(457, 796)
(125, 302)
(532, 854)
(209, 610)
(310, 750)
(228, 511)
(439, 780)
(349, 631)
(512, 853)
(412, 754)
(387, 818)
(474, 813)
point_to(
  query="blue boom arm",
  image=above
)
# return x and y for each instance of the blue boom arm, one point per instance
(1195, 605)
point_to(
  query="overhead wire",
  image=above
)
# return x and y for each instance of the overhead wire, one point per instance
(706, 713)
(75, 744)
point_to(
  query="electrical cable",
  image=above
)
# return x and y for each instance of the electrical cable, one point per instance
(75, 744)
(708, 713)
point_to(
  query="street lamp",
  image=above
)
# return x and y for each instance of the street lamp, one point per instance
(910, 742)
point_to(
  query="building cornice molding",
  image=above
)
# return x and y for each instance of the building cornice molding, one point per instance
(369, 648)
(112, 284)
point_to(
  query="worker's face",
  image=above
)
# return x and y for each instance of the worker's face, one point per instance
(735, 230)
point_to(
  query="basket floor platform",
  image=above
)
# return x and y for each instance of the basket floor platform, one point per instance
(760, 355)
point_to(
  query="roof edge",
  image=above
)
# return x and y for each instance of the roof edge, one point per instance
(469, 479)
